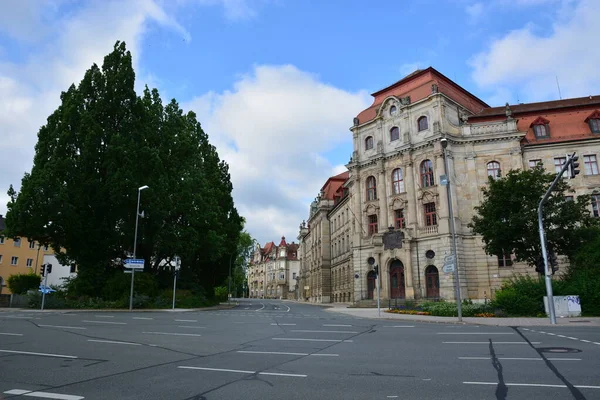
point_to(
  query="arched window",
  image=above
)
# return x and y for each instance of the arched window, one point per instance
(393, 110)
(394, 134)
(369, 143)
(397, 181)
(493, 169)
(541, 127)
(593, 121)
(372, 224)
(427, 173)
(422, 122)
(371, 188)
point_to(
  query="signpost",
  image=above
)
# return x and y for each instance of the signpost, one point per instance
(133, 264)
(46, 269)
(449, 264)
(176, 272)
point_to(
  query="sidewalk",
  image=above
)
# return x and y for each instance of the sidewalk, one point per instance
(372, 313)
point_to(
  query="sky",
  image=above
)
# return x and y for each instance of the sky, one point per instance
(276, 83)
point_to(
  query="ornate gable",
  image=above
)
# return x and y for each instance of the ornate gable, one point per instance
(539, 121)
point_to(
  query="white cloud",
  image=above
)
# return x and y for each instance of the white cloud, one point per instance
(273, 128)
(474, 11)
(235, 10)
(529, 62)
(64, 50)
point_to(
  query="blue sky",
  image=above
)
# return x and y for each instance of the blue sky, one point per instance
(276, 83)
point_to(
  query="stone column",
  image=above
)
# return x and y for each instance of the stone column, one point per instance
(383, 199)
(443, 212)
(409, 178)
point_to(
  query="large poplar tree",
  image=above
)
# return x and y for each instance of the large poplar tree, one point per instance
(100, 145)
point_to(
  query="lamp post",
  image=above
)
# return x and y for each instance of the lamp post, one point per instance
(444, 142)
(229, 281)
(137, 214)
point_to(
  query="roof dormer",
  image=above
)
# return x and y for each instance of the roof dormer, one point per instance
(541, 128)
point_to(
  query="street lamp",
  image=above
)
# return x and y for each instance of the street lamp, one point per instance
(137, 214)
(444, 142)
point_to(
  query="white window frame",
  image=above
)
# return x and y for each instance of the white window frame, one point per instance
(29, 262)
(14, 260)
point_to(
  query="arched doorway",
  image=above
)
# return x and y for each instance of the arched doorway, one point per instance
(397, 286)
(432, 282)
(370, 284)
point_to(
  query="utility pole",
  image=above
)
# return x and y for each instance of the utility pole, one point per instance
(137, 214)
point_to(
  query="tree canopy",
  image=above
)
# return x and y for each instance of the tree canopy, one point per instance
(96, 149)
(507, 218)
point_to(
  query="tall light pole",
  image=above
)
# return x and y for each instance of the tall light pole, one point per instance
(229, 281)
(444, 142)
(137, 215)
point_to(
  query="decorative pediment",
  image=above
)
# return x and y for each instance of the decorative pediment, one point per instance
(371, 208)
(398, 203)
(539, 121)
(594, 115)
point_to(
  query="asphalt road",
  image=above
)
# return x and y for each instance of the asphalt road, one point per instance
(269, 349)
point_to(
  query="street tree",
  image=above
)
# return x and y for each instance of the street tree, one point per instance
(507, 218)
(96, 149)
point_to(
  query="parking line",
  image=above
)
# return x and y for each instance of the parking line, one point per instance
(104, 316)
(142, 318)
(170, 333)
(263, 306)
(113, 342)
(533, 384)
(61, 326)
(186, 320)
(106, 322)
(30, 353)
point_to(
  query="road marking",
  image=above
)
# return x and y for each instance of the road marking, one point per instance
(587, 341)
(572, 338)
(192, 327)
(398, 326)
(142, 318)
(113, 342)
(338, 325)
(186, 320)
(61, 326)
(475, 333)
(287, 308)
(392, 397)
(104, 316)
(263, 306)
(520, 358)
(174, 334)
(30, 353)
(312, 340)
(492, 342)
(532, 384)
(284, 324)
(12, 316)
(595, 342)
(309, 331)
(561, 336)
(11, 334)
(553, 334)
(106, 322)
(288, 354)
(239, 371)
(44, 395)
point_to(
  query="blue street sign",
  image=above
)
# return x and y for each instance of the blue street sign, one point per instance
(134, 261)
(46, 289)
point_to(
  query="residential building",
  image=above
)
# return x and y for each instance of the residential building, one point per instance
(59, 272)
(19, 256)
(396, 188)
(273, 271)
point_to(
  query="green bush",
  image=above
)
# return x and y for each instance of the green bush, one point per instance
(21, 283)
(447, 309)
(521, 296)
(586, 284)
(221, 293)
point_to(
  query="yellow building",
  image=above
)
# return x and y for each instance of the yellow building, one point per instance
(19, 256)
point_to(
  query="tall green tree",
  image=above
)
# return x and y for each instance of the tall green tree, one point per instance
(101, 144)
(507, 218)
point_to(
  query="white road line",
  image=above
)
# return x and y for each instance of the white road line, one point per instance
(312, 340)
(61, 326)
(174, 334)
(572, 338)
(186, 320)
(475, 333)
(12, 316)
(398, 326)
(191, 327)
(281, 374)
(520, 358)
(283, 324)
(239, 371)
(288, 308)
(561, 336)
(339, 325)
(595, 342)
(263, 306)
(44, 395)
(492, 342)
(553, 334)
(11, 334)
(113, 342)
(142, 318)
(288, 353)
(30, 353)
(532, 384)
(104, 316)
(587, 341)
(309, 331)
(106, 322)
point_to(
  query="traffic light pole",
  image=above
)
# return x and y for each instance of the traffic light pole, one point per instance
(44, 291)
(547, 274)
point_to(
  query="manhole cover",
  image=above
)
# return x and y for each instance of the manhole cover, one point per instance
(558, 350)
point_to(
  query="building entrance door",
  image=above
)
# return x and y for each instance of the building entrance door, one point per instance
(397, 286)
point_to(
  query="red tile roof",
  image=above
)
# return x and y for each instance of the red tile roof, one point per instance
(538, 107)
(282, 243)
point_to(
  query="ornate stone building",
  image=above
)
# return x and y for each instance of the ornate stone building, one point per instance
(273, 271)
(396, 189)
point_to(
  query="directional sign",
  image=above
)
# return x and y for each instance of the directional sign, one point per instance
(448, 268)
(443, 180)
(449, 259)
(134, 263)
(46, 289)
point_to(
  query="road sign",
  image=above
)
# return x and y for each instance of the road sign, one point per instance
(449, 259)
(46, 289)
(448, 268)
(443, 180)
(134, 263)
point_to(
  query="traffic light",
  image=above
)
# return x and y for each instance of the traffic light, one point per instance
(574, 167)
(48, 268)
(43, 270)
(539, 265)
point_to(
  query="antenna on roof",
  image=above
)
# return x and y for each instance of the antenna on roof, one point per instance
(559, 95)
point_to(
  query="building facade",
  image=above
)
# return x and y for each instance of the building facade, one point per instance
(19, 256)
(273, 271)
(396, 188)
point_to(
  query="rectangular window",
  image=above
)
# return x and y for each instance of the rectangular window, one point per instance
(73, 269)
(0, 258)
(399, 218)
(559, 162)
(372, 224)
(430, 215)
(535, 163)
(591, 164)
(293, 275)
(596, 205)
(281, 276)
(14, 260)
(17, 242)
(505, 261)
(32, 245)
(30, 262)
